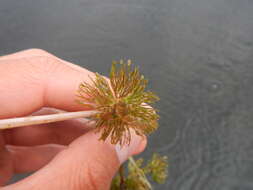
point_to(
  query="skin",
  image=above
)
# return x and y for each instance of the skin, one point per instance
(65, 155)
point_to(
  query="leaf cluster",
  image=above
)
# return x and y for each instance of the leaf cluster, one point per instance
(137, 179)
(121, 102)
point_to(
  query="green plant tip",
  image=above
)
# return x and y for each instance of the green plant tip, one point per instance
(122, 102)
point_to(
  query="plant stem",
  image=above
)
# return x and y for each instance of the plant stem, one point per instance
(122, 178)
(142, 176)
(41, 119)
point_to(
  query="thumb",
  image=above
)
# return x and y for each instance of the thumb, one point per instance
(86, 164)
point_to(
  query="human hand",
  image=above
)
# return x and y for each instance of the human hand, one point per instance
(66, 154)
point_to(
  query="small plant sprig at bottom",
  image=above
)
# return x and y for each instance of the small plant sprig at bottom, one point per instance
(122, 105)
(137, 174)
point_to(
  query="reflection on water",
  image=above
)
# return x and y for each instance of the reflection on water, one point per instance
(197, 55)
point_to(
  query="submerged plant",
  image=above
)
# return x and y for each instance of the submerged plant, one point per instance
(122, 105)
(136, 178)
(121, 102)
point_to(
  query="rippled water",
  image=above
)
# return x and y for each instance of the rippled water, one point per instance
(198, 55)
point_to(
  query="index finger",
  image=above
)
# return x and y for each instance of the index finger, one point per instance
(29, 83)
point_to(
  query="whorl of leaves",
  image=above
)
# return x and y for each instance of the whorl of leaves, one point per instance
(121, 102)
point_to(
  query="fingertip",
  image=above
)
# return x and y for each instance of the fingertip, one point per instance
(136, 146)
(142, 146)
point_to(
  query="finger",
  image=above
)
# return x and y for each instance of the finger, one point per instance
(30, 53)
(25, 54)
(85, 164)
(29, 159)
(27, 84)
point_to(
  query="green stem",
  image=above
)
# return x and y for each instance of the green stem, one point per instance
(142, 176)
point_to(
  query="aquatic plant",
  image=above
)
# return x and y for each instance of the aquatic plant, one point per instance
(121, 102)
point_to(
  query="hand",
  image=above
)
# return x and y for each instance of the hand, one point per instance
(67, 155)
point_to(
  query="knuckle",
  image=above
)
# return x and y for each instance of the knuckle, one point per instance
(38, 52)
(47, 65)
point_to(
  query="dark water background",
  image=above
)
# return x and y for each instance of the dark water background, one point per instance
(198, 55)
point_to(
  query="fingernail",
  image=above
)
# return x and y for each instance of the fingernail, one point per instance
(126, 151)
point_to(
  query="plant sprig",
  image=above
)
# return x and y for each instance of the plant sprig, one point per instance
(137, 177)
(121, 102)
